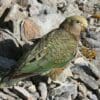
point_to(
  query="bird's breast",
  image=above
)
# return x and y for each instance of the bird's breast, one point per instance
(61, 46)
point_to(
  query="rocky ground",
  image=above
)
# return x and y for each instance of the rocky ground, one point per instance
(22, 22)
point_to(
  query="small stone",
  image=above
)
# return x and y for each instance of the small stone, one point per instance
(27, 84)
(31, 29)
(63, 98)
(32, 88)
(66, 95)
(22, 93)
(98, 81)
(91, 22)
(6, 3)
(6, 63)
(69, 88)
(4, 96)
(20, 83)
(22, 3)
(80, 61)
(43, 90)
(92, 96)
(36, 95)
(10, 93)
(81, 71)
(83, 89)
(49, 80)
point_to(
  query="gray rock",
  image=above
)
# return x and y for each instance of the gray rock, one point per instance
(4, 96)
(94, 72)
(93, 43)
(10, 93)
(63, 98)
(36, 95)
(43, 14)
(92, 96)
(65, 90)
(6, 63)
(43, 90)
(9, 45)
(88, 80)
(22, 92)
(31, 88)
(83, 89)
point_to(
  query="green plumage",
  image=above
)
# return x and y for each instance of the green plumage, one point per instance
(54, 50)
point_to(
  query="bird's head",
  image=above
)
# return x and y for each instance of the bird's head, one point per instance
(75, 25)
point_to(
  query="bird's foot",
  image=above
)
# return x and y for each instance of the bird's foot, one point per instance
(53, 74)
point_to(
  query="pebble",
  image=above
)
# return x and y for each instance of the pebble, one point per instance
(70, 89)
(84, 77)
(10, 93)
(4, 96)
(83, 89)
(92, 96)
(22, 93)
(32, 88)
(43, 90)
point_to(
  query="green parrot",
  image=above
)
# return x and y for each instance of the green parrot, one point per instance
(54, 50)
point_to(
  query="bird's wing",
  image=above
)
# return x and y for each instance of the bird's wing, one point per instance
(33, 61)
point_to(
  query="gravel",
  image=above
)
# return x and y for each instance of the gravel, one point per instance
(80, 80)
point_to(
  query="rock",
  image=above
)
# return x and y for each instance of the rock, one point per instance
(9, 46)
(83, 89)
(6, 3)
(63, 98)
(16, 14)
(31, 29)
(68, 89)
(42, 16)
(27, 84)
(93, 43)
(65, 95)
(96, 11)
(91, 40)
(43, 90)
(92, 96)
(4, 96)
(93, 70)
(22, 93)
(80, 61)
(20, 83)
(91, 22)
(23, 3)
(36, 95)
(40, 25)
(4, 6)
(6, 64)
(88, 80)
(10, 93)
(97, 60)
(32, 88)
(86, 6)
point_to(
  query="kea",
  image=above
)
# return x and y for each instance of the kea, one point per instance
(53, 51)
